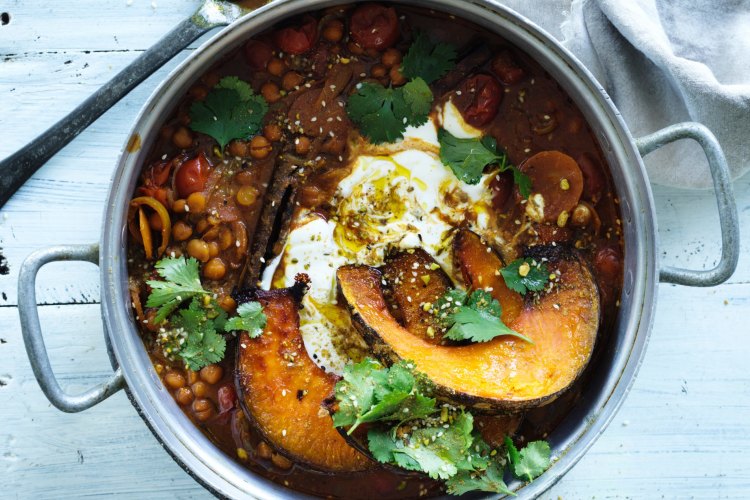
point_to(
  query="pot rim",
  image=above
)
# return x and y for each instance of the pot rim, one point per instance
(586, 422)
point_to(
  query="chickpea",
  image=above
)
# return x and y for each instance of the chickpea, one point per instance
(184, 396)
(247, 195)
(396, 77)
(183, 138)
(181, 231)
(390, 58)
(333, 31)
(192, 377)
(355, 49)
(198, 249)
(197, 202)
(275, 66)
(272, 132)
(213, 249)
(281, 462)
(202, 225)
(302, 145)
(378, 71)
(581, 215)
(154, 221)
(174, 380)
(238, 148)
(291, 80)
(227, 303)
(211, 234)
(244, 177)
(177, 251)
(263, 450)
(179, 206)
(215, 269)
(211, 374)
(259, 147)
(226, 239)
(203, 409)
(270, 92)
(198, 92)
(200, 389)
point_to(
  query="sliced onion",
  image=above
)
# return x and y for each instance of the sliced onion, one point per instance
(142, 233)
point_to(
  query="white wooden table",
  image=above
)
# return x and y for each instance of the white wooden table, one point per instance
(684, 430)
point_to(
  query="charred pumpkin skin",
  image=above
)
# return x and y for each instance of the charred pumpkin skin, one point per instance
(413, 278)
(282, 391)
(506, 373)
(480, 266)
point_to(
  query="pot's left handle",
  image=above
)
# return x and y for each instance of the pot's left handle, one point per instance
(32, 332)
(728, 220)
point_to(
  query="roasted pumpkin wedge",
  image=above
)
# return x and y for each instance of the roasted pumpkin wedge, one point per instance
(480, 269)
(505, 373)
(413, 282)
(282, 390)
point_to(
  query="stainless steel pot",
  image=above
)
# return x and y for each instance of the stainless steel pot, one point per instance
(621, 356)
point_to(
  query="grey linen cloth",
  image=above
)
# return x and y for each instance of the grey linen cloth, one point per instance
(663, 62)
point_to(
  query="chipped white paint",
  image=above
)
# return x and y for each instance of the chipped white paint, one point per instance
(683, 431)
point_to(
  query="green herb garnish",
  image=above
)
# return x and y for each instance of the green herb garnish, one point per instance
(203, 344)
(531, 461)
(182, 282)
(250, 319)
(382, 114)
(428, 60)
(231, 110)
(475, 317)
(369, 393)
(491, 480)
(468, 157)
(523, 275)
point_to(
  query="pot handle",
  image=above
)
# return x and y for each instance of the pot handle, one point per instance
(730, 240)
(32, 333)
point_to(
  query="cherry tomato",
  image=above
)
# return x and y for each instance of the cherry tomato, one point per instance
(486, 95)
(507, 69)
(158, 193)
(258, 53)
(374, 26)
(608, 263)
(297, 39)
(593, 179)
(191, 176)
(226, 397)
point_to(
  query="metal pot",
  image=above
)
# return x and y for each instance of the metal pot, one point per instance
(621, 356)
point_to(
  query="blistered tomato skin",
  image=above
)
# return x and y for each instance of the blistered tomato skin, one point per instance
(507, 69)
(257, 54)
(485, 101)
(374, 26)
(192, 175)
(297, 40)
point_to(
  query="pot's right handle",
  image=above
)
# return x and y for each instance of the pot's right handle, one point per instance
(730, 231)
(32, 332)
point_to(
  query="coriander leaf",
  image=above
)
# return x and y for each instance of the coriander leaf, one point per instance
(250, 319)
(427, 59)
(468, 157)
(533, 460)
(512, 451)
(370, 393)
(203, 345)
(230, 111)
(182, 282)
(526, 274)
(475, 317)
(490, 480)
(382, 114)
(381, 445)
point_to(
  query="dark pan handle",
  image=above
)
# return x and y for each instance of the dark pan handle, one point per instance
(728, 220)
(18, 167)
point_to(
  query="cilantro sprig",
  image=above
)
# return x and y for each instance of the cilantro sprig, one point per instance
(475, 317)
(523, 275)
(427, 59)
(181, 282)
(438, 440)
(231, 110)
(468, 157)
(368, 393)
(382, 114)
(193, 333)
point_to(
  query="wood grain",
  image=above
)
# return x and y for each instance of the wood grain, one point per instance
(683, 431)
